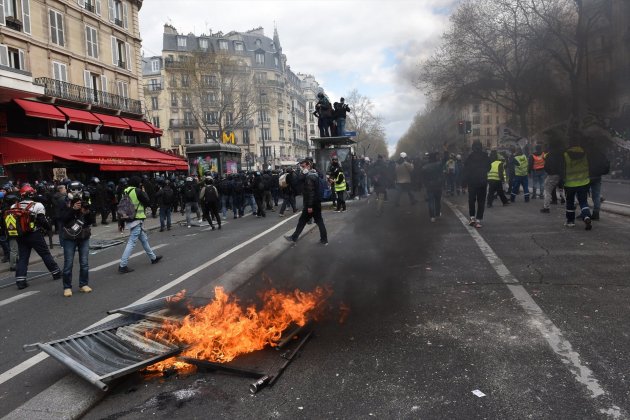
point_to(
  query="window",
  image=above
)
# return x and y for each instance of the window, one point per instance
(282, 134)
(121, 53)
(245, 136)
(260, 58)
(118, 13)
(258, 43)
(223, 45)
(154, 103)
(189, 137)
(211, 117)
(17, 15)
(188, 118)
(156, 121)
(203, 43)
(60, 72)
(209, 80)
(93, 6)
(173, 99)
(211, 97)
(487, 119)
(476, 108)
(186, 99)
(265, 151)
(56, 28)
(155, 65)
(12, 57)
(476, 119)
(476, 132)
(185, 80)
(260, 77)
(173, 81)
(488, 131)
(181, 41)
(213, 134)
(265, 134)
(123, 88)
(91, 41)
(276, 61)
(229, 118)
(154, 84)
(238, 46)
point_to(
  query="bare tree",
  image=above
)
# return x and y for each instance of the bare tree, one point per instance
(371, 138)
(487, 56)
(220, 91)
(432, 130)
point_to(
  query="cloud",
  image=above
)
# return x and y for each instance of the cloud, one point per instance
(372, 46)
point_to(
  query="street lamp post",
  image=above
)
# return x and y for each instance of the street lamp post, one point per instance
(262, 132)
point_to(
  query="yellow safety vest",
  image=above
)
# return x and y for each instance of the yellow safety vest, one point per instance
(340, 186)
(494, 175)
(523, 167)
(136, 203)
(575, 171)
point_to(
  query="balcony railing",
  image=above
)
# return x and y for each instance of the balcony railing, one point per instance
(118, 22)
(174, 123)
(90, 7)
(154, 87)
(13, 23)
(68, 91)
(280, 121)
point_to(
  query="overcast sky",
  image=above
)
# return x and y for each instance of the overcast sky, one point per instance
(371, 45)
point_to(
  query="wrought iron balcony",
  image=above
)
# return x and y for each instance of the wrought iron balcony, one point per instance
(13, 23)
(90, 7)
(67, 91)
(153, 87)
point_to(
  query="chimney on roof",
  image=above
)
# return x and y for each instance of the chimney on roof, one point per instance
(169, 29)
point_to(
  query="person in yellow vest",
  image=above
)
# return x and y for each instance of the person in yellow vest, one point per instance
(537, 167)
(496, 178)
(521, 172)
(140, 201)
(576, 183)
(339, 184)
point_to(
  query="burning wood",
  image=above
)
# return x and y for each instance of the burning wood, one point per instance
(223, 329)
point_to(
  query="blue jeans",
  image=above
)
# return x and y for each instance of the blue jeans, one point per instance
(434, 200)
(165, 216)
(518, 181)
(341, 126)
(69, 247)
(135, 233)
(596, 193)
(582, 196)
(248, 200)
(225, 203)
(538, 179)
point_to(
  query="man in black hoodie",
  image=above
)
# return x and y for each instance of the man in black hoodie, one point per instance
(476, 170)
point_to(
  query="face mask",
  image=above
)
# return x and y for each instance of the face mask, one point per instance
(305, 171)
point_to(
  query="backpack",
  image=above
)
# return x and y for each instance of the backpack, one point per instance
(125, 210)
(189, 193)
(168, 196)
(19, 221)
(325, 192)
(282, 181)
(210, 194)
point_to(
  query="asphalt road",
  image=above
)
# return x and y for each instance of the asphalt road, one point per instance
(531, 314)
(617, 191)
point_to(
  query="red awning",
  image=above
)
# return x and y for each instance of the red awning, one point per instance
(138, 126)
(112, 121)
(40, 110)
(79, 116)
(108, 157)
(156, 130)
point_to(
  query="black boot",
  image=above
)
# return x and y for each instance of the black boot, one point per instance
(595, 215)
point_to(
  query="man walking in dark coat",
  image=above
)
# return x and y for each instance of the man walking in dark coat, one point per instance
(476, 170)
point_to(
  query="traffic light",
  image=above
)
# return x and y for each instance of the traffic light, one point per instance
(468, 127)
(460, 127)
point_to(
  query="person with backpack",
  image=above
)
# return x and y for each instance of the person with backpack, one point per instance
(191, 198)
(26, 221)
(165, 198)
(286, 182)
(312, 205)
(76, 219)
(209, 197)
(135, 223)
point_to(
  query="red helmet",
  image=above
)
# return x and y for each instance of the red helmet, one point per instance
(27, 191)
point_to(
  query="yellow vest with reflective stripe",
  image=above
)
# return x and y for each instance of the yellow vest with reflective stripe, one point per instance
(523, 167)
(575, 170)
(494, 175)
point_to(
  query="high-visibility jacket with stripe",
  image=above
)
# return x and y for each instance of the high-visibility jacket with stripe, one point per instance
(340, 182)
(575, 170)
(131, 191)
(522, 169)
(539, 162)
(494, 174)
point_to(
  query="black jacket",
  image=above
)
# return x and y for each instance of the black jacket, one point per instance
(433, 176)
(554, 163)
(68, 216)
(310, 193)
(476, 169)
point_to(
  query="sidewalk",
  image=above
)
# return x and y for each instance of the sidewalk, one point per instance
(101, 233)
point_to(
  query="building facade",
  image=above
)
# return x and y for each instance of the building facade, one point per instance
(488, 123)
(70, 71)
(191, 91)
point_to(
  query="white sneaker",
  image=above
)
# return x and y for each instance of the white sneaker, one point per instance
(432, 219)
(200, 220)
(472, 221)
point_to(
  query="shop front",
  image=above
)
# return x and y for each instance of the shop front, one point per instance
(213, 158)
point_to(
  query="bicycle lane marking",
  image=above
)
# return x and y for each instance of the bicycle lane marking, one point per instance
(550, 332)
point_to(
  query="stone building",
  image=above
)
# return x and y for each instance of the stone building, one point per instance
(263, 111)
(70, 91)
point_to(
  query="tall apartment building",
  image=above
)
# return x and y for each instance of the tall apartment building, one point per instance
(263, 110)
(489, 122)
(70, 91)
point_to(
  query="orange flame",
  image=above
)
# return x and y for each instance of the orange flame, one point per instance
(223, 330)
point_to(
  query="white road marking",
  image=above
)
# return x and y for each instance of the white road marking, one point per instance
(552, 334)
(18, 297)
(109, 264)
(29, 363)
(616, 204)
